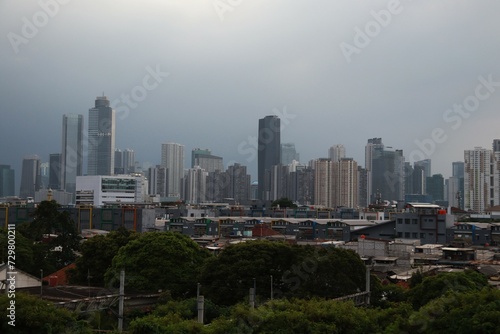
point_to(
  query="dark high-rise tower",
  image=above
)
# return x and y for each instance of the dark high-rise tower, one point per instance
(101, 146)
(55, 171)
(72, 151)
(30, 176)
(7, 176)
(269, 146)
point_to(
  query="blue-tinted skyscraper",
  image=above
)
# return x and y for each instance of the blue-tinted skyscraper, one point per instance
(101, 145)
(269, 148)
(7, 177)
(72, 151)
(30, 176)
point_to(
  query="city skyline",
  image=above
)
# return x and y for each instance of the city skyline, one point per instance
(200, 77)
(374, 145)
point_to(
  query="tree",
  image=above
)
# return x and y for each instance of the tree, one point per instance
(34, 315)
(330, 273)
(435, 286)
(54, 235)
(24, 251)
(458, 312)
(227, 279)
(284, 203)
(97, 255)
(297, 271)
(159, 261)
(299, 316)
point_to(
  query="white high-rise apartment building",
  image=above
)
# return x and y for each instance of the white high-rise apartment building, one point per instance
(345, 183)
(481, 179)
(322, 182)
(336, 152)
(172, 158)
(195, 185)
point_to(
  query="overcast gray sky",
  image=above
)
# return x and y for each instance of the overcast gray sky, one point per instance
(340, 71)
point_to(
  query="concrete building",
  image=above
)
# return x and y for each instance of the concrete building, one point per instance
(269, 148)
(101, 138)
(207, 161)
(481, 179)
(288, 154)
(157, 177)
(7, 181)
(71, 151)
(195, 185)
(98, 190)
(279, 182)
(435, 187)
(23, 279)
(323, 190)
(55, 171)
(345, 183)
(124, 161)
(172, 158)
(336, 152)
(239, 183)
(387, 174)
(109, 218)
(301, 185)
(30, 177)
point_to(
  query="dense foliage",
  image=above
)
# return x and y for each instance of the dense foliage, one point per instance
(50, 242)
(304, 281)
(33, 315)
(296, 271)
(159, 261)
(97, 256)
(461, 309)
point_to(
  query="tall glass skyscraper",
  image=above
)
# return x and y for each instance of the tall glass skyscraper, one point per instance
(30, 176)
(101, 145)
(269, 147)
(72, 151)
(7, 177)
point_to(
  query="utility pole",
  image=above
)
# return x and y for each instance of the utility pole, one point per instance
(367, 285)
(41, 283)
(272, 287)
(122, 297)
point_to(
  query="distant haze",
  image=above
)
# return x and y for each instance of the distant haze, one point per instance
(343, 70)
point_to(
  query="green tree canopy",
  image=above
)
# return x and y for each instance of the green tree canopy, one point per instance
(159, 260)
(34, 315)
(97, 255)
(55, 237)
(458, 313)
(330, 273)
(24, 251)
(284, 203)
(297, 271)
(227, 279)
(433, 287)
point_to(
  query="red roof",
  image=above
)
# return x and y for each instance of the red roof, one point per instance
(62, 277)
